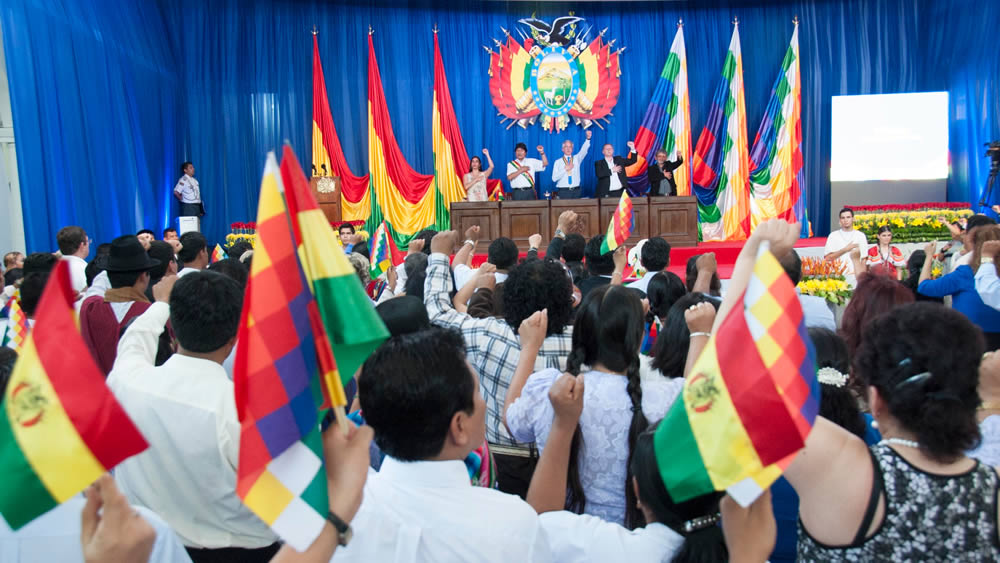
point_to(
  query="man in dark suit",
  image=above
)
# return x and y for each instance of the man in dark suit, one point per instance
(610, 170)
(661, 174)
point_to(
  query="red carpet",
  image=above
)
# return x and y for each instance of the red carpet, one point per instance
(725, 255)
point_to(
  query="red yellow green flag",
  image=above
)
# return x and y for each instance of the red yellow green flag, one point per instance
(62, 428)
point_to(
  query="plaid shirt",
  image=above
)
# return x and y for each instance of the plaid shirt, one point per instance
(492, 346)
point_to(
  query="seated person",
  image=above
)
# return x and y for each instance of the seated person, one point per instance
(422, 399)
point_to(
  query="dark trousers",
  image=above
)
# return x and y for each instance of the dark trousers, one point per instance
(568, 193)
(233, 554)
(617, 194)
(523, 194)
(192, 209)
(514, 473)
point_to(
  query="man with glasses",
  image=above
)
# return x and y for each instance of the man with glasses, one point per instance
(74, 244)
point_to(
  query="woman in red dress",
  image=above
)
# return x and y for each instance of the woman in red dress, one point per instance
(883, 258)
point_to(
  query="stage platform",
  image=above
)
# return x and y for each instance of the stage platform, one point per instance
(725, 254)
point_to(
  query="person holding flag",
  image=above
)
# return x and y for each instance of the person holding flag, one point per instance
(566, 173)
(521, 172)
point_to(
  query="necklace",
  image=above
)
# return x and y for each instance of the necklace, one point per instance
(989, 406)
(900, 442)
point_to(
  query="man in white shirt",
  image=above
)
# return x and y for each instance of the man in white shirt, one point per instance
(422, 399)
(566, 172)
(521, 172)
(74, 244)
(815, 311)
(610, 170)
(186, 411)
(188, 192)
(841, 242)
(987, 281)
(655, 258)
(193, 254)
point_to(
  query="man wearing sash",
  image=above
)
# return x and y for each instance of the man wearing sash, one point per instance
(566, 172)
(521, 172)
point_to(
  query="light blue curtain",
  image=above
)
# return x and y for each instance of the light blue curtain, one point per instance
(221, 83)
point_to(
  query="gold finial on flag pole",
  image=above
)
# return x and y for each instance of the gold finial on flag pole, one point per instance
(370, 30)
(435, 28)
(795, 19)
(736, 20)
(315, 31)
(680, 22)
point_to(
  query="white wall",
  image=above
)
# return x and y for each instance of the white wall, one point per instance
(11, 217)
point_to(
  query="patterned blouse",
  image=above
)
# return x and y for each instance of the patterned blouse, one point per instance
(607, 413)
(928, 517)
(477, 191)
(885, 263)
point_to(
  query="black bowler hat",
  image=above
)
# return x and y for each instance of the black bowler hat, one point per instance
(128, 255)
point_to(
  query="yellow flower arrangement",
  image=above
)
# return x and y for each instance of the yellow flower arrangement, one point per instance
(833, 290)
(920, 225)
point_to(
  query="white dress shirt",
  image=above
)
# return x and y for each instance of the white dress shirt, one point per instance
(642, 284)
(988, 285)
(186, 411)
(186, 271)
(189, 189)
(77, 272)
(426, 511)
(839, 240)
(55, 536)
(816, 312)
(520, 181)
(616, 182)
(583, 538)
(464, 273)
(569, 179)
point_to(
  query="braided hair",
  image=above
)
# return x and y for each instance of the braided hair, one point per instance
(608, 331)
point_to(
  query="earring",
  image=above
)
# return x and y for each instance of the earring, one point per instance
(874, 424)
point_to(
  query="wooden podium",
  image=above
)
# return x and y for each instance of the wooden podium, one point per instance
(640, 214)
(521, 219)
(326, 189)
(675, 219)
(588, 211)
(486, 214)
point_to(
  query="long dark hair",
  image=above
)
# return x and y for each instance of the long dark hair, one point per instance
(480, 163)
(703, 545)
(664, 289)
(608, 331)
(671, 348)
(837, 403)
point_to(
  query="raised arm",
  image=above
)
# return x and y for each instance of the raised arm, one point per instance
(532, 333)
(461, 299)
(464, 254)
(925, 272)
(137, 347)
(545, 160)
(707, 266)
(621, 259)
(632, 156)
(987, 282)
(547, 491)
(489, 162)
(699, 319)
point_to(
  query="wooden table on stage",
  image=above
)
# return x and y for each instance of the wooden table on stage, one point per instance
(673, 218)
(640, 216)
(327, 192)
(521, 219)
(588, 211)
(486, 214)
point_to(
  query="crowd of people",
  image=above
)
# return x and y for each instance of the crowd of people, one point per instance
(510, 415)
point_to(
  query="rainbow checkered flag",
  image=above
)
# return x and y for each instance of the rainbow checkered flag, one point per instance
(380, 252)
(620, 227)
(16, 331)
(218, 253)
(276, 376)
(751, 398)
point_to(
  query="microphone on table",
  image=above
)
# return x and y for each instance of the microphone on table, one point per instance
(314, 169)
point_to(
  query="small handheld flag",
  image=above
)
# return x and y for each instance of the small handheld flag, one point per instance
(620, 227)
(380, 252)
(16, 330)
(750, 400)
(218, 253)
(61, 427)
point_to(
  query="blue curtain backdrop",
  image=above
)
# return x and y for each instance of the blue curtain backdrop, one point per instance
(221, 83)
(95, 100)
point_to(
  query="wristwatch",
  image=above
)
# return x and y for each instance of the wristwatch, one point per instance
(344, 532)
(560, 233)
(470, 241)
